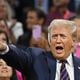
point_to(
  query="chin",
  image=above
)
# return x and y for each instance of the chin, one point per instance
(59, 57)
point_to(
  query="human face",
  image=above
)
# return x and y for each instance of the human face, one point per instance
(3, 9)
(61, 42)
(5, 70)
(2, 62)
(31, 19)
(3, 26)
(3, 38)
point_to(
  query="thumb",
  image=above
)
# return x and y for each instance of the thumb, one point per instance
(3, 46)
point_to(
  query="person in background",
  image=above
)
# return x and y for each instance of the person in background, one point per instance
(16, 75)
(40, 42)
(4, 27)
(42, 4)
(59, 10)
(16, 28)
(77, 46)
(6, 72)
(34, 17)
(6, 12)
(5, 15)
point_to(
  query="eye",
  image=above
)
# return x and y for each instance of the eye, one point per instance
(4, 39)
(54, 36)
(63, 36)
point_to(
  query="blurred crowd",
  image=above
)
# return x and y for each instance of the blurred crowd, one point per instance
(25, 22)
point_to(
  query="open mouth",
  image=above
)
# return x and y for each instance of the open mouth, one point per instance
(4, 71)
(59, 49)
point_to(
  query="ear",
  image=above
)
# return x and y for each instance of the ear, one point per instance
(49, 40)
(74, 41)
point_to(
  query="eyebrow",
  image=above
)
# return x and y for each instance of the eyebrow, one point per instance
(58, 34)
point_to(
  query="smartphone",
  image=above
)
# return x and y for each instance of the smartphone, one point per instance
(36, 32)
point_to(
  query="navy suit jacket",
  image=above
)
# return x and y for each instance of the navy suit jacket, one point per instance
(36, 63)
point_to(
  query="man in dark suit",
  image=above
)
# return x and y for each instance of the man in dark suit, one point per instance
(40, 65)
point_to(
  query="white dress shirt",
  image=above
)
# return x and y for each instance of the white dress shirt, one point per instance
(69, 67)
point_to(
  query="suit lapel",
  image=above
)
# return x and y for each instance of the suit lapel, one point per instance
(76, 63)
(51, 66)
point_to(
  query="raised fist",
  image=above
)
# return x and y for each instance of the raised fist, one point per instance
(3, 46)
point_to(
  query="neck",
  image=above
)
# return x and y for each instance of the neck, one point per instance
(60, 9)
(4, 78)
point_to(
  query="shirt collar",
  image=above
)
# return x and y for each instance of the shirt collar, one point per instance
(69, 60)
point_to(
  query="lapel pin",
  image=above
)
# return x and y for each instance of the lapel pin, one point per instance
(78, 67)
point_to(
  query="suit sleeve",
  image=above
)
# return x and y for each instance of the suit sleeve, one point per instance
(18, 59)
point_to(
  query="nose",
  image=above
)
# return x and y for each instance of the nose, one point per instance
(1, 40)
(58, 40)
(4, 66)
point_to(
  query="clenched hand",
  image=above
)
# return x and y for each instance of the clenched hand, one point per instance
(3, 46)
